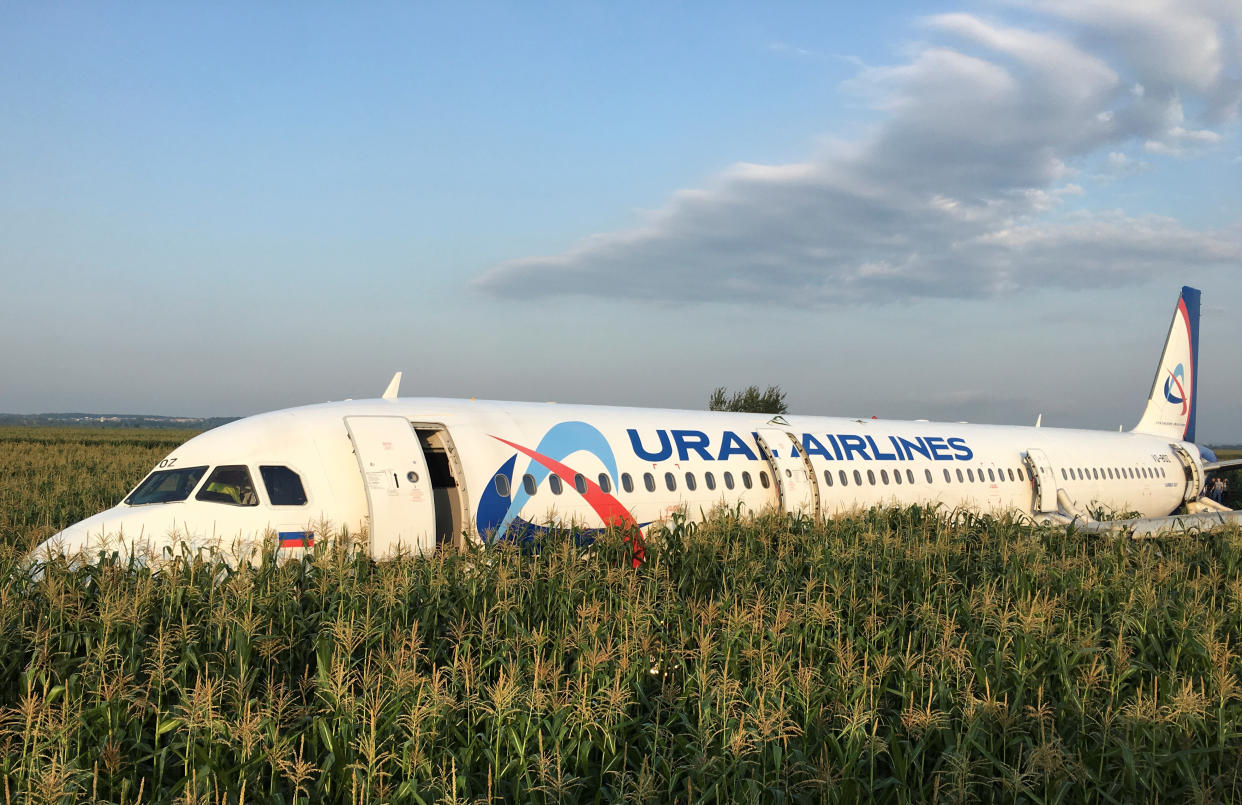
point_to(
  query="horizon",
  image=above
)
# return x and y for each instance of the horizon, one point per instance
(955, 211)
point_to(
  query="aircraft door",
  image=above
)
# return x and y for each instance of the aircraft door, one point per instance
(1045, 481)
(796, 485)
(398, 484)
(1194, 473)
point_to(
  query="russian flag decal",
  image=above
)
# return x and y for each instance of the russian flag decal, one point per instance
(296, 539)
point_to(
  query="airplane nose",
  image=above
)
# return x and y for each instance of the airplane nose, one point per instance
(110, 530)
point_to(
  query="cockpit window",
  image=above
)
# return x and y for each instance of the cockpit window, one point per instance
(229, 484)
(284, 487)
(166, 486)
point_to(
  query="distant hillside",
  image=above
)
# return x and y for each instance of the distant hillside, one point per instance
(115, 421)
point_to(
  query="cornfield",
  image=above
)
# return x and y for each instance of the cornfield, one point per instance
(896, 655)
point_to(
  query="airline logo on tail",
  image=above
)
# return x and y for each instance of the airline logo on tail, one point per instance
(1171, 405)
(1176, 381)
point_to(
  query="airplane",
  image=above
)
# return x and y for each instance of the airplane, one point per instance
(415, 474)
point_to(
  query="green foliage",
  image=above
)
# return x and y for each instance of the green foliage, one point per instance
(894, 655)
(52, 477)
(750, 400)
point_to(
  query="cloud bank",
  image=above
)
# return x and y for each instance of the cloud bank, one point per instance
(960, 191)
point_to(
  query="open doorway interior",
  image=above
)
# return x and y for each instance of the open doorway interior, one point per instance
(447, 486)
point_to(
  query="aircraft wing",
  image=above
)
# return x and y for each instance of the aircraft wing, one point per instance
(1227, 464)
(1163, 526)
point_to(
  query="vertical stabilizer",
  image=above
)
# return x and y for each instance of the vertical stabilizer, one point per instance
(1171, 405)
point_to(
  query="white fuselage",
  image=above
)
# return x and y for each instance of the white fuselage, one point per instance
(417, 472)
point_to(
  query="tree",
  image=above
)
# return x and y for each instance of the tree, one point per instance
(749, 400)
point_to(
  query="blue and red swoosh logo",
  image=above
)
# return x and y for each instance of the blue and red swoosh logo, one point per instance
(1175, 387)
(499, 516)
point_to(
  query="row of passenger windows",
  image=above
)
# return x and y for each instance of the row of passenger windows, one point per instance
(627, 482)
(963, 476)
(967, 475)
(1110, 473)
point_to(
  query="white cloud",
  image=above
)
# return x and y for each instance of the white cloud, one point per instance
(1118, 165)
(793, 50)
(954, 195)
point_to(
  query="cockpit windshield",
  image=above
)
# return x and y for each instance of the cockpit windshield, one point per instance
(166, 486)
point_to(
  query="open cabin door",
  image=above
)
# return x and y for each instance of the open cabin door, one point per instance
(398, 484)
(448, 483)
(796, 485)
(1045, 481)
(1194, 473)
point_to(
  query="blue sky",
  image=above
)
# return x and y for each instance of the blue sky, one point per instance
(976, 211)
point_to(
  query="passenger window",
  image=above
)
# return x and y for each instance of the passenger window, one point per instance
(230, 484)
(896, 476)
(1010, 473)
(710, 480)
(605, 483)
(670, 481)
(960, 477)
(746, 481)
(857, 478)
(580, 484)
(649, 481)
(627, 483)
(1063, 478)
(991, 475)
(910, 476)
(1096, 472)
(763, 479)
(728, 476)
(845, 479)
(871, 477)
(284, 487)
(948, 479)
(691, 484)
(970, 474)
(827, 477)
(554, 483)
(528, 483)
(884, 476)
(929, 475)
(502, 484)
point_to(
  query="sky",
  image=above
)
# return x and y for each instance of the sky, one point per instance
(962, 211)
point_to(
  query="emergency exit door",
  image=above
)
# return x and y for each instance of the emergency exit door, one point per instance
(1045, 498)
(398, 484)
(796, 484)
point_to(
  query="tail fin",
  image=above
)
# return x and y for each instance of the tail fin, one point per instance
(1171, 405)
